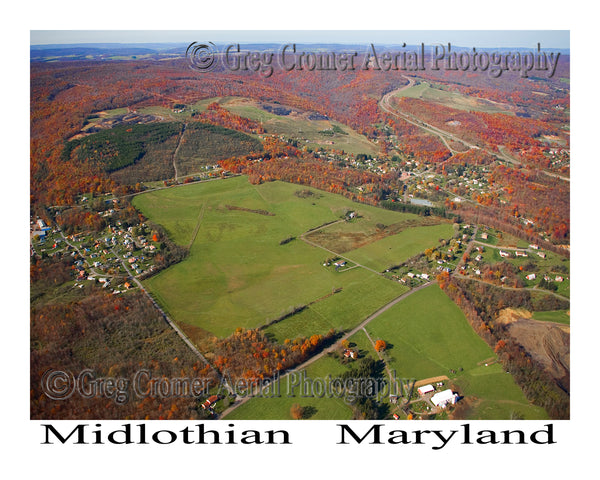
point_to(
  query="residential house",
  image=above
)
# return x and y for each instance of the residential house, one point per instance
(349, 353)
(209, 404)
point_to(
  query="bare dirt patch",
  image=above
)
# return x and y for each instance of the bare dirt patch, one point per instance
(425, 381)
(244, 209)
(547, 343)
(339, 241)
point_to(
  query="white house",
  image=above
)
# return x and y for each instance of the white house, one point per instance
(425, 389)
(441, 399)
(531, 276)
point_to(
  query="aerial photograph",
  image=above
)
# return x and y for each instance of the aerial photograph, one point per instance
(300, 225)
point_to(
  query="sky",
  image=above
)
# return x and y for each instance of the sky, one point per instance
(465, 38)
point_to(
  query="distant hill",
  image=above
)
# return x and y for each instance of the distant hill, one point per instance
(111, 51)
(99, 51)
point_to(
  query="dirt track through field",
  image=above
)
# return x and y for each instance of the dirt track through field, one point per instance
(426, 381)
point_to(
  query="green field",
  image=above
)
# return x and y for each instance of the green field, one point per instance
(396, 249)
(428, 336)
(436, 93)
(297, 125)
(237, 273)
(558, 316)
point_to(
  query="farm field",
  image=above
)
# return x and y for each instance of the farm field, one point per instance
(395, 249)
(299, 125)
(314, 133)
(425, 91)
(558, 316)
(428, 336)
(238, 274)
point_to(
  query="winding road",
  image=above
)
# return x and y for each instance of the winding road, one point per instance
(385, 104)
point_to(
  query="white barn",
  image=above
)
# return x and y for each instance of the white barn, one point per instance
(444, 398)
(425, 389)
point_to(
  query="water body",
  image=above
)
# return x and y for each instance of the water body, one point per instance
(421, 201)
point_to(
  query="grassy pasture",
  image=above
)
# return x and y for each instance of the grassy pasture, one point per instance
(425, 91)
(238, 275)
(396, 249)
(298, 125)
(558, 316)
(428, 335)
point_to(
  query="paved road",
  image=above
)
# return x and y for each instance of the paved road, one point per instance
(504, 287)
(173, 325)
(336, 345)
(385, 104)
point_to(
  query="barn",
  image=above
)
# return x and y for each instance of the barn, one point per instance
(444, 398)
(425, 389)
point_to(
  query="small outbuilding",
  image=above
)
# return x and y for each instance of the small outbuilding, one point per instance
(425, 389)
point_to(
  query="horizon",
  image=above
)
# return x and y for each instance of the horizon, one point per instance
(557, 39)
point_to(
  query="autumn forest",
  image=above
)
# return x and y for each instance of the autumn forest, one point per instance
(467, 150)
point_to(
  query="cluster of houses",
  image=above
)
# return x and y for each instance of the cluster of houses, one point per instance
(39, 229)
(424, 276)
(97, 258)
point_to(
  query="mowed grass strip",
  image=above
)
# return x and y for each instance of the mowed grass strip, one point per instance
(557, 316)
